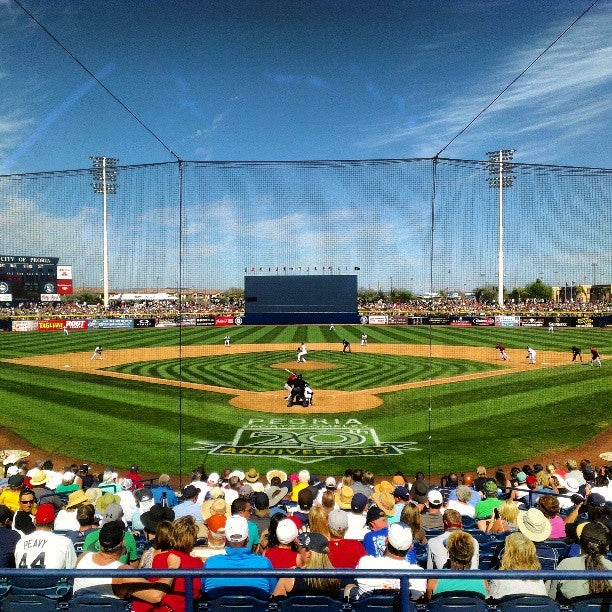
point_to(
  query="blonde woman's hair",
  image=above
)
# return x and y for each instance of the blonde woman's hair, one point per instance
(318, 560)
(183, 534)
(519, 553)
(412, 517)
(508, 511)
(317, 520)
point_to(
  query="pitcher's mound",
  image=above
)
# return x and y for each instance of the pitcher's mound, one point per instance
(299, 367)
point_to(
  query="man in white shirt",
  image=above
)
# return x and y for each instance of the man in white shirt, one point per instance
(43, 548)
(399, 542)
(437, 554)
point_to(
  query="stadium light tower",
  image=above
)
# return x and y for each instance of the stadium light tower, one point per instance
(500, 176)
(105, 174)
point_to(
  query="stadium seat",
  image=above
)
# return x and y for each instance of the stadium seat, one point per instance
(309, 603)
(468, 523)
(560, 546)
(51, 588)
(383, 603)
(527, 602)
(420, 550)
(28, 602)
(243, 603)
(97, 604)
(591, 603)
(458, 600)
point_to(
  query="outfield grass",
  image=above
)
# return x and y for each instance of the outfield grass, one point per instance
(488, 421)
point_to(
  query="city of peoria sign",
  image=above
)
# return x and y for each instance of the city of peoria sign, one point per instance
(305, 440)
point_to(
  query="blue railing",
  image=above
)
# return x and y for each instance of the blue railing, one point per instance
(403, 576)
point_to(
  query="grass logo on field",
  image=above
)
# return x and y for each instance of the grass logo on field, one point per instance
(305, 440)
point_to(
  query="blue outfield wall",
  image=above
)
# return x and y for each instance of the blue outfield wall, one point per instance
(302, 318)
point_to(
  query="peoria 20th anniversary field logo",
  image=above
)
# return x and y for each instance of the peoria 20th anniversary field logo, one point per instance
(305, 440)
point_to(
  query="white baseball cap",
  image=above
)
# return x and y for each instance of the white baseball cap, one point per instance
(236, 529)
(399, 536)
(286, 531)
(435, 497)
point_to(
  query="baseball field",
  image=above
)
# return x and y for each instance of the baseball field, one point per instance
(414, 398)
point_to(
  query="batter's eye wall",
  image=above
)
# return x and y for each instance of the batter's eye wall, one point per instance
(300, 299)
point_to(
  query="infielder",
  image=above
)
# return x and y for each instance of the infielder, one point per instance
(595, 357)
(97, 353)
(302, 352)
(364, 339)
(226, 340)
(531, 355)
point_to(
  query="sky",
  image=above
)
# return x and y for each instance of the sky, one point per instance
(287, 80)
(291, 81)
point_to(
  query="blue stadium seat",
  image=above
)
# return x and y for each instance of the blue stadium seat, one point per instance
(310, 603)
(468, 522)
(242, 603)
(591, 603)
(382, 603)
(97, 604)
(560, 546)
(527, 602)
(51, 588)
(458, 600)
(28, 602)
(420, 550)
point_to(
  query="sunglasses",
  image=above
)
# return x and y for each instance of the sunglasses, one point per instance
(27, 501)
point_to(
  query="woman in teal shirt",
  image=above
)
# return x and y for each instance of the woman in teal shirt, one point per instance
(461, 549)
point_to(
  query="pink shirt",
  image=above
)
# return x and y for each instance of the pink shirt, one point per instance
(558, 528)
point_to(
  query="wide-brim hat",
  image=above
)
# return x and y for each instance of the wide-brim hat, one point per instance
(77, 497)
(274, 473)
(39, 479)
(105, 500)
(384, 487)
(155, 515)
(276, 494)
(418, 492)
(385, 501)
(344, 497)
(215, 506)
(252, 475)
(93, 494)
(534, 525)
(236, 473)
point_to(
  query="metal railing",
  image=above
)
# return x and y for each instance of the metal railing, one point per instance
(403, 576)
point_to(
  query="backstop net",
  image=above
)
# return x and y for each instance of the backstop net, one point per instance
(422, 237)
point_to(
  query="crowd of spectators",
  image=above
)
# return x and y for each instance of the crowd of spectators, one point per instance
(534, 517)
(417, 307)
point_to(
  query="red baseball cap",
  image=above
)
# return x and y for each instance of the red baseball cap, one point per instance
(531, 480)
(45, 514)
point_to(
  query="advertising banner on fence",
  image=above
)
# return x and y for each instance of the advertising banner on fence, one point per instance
(222, 320)
(49, 297)
(51, 325)
(483, 321)
(532, 321)
(507, 321)
(25, 326)
(438, 320)
(397, 320)
(140, 323)
(584, 322)
(111, 323)
(77, 324)
(460, 322)
(207, 321)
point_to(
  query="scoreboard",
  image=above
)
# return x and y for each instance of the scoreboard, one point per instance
(32, 279)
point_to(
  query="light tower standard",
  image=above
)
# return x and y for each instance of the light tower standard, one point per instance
(105, 174)
(500, 176)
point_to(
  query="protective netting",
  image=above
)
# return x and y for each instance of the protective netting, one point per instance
(429, 227)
